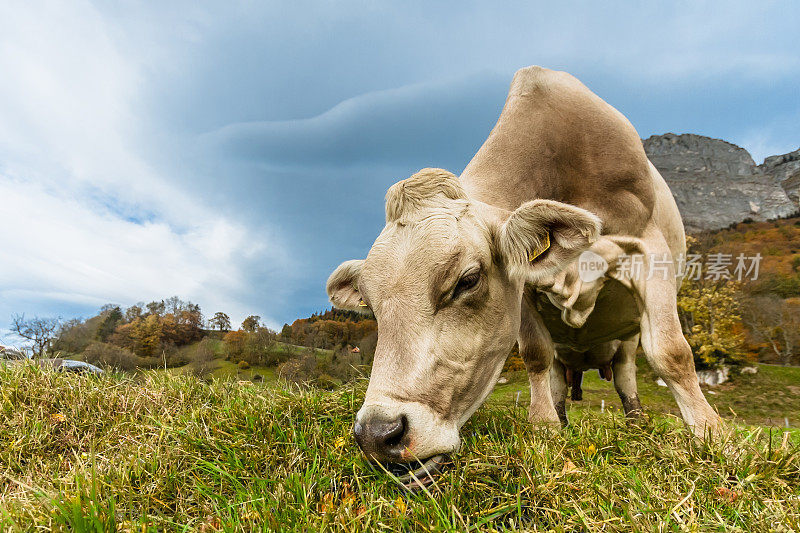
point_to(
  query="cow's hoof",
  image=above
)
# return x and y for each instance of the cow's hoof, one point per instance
(632, 407)
(710, 428)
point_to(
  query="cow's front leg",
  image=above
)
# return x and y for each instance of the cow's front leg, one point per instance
(558, 388)
(624, 367)
(538, 352)
(663, 342)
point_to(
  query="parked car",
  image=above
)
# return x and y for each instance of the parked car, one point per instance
(68, 365)
(59, 365)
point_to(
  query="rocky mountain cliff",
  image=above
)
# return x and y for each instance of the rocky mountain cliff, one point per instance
(786, 169)
(716, 183)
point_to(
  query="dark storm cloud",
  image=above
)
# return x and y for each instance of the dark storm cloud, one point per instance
(428, 124)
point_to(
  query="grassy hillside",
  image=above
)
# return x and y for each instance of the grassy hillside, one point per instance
(174, 452)
(777, 241)
(267, 374)
(220, 367)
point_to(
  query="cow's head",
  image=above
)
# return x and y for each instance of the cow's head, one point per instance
(444, 280)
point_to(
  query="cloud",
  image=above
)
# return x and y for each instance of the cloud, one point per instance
(235, 154)
(62, 248)
(87, 218)
(419, 124)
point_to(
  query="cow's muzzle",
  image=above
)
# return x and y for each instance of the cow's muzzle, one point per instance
(381, 439)
(385, 441)
(419, 474)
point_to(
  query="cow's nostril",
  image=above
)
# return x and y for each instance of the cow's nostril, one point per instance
(381, 438)
(394, 434)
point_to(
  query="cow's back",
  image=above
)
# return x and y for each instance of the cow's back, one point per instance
(556, 139)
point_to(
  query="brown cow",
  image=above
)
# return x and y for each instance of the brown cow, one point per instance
(465, 267)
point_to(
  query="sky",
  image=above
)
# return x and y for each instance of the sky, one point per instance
(233, 154)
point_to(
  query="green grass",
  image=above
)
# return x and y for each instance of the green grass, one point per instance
(223, 369)
(166, 452)
(230, 370)
(763, 399)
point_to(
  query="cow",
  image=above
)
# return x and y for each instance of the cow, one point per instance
(465, 267)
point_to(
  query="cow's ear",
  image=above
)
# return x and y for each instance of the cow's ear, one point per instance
(342, 287)
(542, 237)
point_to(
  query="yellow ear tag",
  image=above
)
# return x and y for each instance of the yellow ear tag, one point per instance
(536, 253)
(361, 303)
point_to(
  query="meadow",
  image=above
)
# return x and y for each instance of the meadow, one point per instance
(158, 451)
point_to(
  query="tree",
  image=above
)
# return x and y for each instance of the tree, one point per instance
(40, 331)
(156, 308)
(203, 360)
(234, 344)
(776, 324)
(251, 323)
(259, 348)
(710, 314)
(108, 355)
(173, 305)
(142, 336)
(108, 307)
(192, 315)
(112, 317)
(134, 312)
(73, 336)
(711, 321)
(220, 321)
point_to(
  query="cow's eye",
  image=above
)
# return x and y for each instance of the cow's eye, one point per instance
(467, 282)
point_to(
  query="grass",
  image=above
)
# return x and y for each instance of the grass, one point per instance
(225, 369)
(230, 370)
(166, 452)
(222, 368)
(765, 399)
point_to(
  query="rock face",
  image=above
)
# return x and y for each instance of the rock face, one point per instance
(786, 169)
(716, 183)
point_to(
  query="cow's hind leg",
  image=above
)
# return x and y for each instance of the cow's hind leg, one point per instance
(558, 387)
(624, 367)
(664, 344)
(538, 352)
